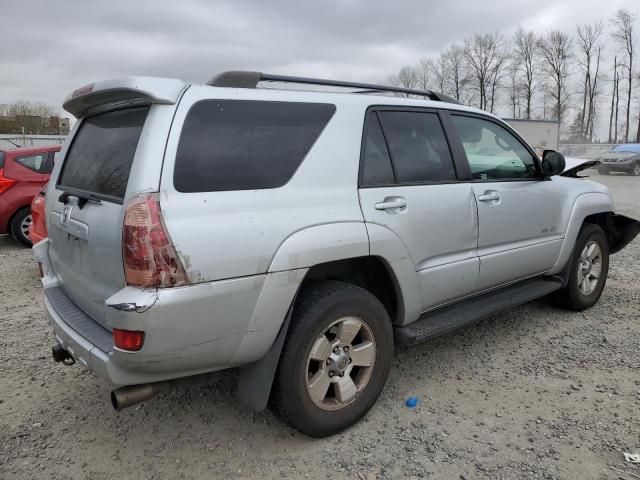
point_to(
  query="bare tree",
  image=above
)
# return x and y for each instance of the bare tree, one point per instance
(587, 40)
(622, 33)
(457, 71)
(423, 74)
(484, 58)
(514, 87)
(497, 74)
(440, 70)
(593, 93)
(613, 99)
(555, 48)
(526, 53)
(407, 77)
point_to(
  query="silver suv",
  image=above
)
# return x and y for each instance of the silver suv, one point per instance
(297, 234)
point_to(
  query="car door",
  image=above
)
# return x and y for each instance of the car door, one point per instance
(520, 225)
(408, 184)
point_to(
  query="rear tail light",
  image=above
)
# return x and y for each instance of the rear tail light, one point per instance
(150, 259)
(6, 183)
(130, 340)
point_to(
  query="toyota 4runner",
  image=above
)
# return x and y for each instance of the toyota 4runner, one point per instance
(299, 234)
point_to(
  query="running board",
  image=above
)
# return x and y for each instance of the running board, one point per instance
(447, 319)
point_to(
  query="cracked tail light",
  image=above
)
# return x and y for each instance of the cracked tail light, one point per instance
(150, 259)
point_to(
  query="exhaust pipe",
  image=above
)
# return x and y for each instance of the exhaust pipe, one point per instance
(124, 397)
(127, 396)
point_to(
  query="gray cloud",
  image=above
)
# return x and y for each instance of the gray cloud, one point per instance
(50, 48)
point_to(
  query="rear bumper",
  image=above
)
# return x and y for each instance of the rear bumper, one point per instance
(35, 237)
(188, 330)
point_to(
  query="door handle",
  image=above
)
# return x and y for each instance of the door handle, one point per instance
(390, 203)
(489, 196)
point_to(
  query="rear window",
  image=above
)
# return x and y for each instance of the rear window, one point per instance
(245, 145)
(99, 159)
(38, 162)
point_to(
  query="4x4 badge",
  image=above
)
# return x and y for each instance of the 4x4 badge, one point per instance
(64, 217)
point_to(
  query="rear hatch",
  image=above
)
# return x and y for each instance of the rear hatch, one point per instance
(114, 153)
(85, 222)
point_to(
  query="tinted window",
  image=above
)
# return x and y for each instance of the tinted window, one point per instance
(376, 164)
(493, 152)
(418, 146)
(245, 145)
(1, 159)
(37, 162)
(100, 157)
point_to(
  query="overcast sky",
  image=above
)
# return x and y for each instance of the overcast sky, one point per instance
(48, 48)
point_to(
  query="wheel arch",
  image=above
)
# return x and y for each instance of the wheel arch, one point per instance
(586, 205)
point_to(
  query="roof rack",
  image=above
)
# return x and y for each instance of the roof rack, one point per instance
(247, 79)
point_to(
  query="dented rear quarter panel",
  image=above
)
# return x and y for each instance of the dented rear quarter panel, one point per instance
(229, 234)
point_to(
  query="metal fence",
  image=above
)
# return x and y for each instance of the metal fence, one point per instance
(585, 150)
(9, 141)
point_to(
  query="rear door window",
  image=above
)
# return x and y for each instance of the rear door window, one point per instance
(245, 144)
(100, 157)
(418, 147)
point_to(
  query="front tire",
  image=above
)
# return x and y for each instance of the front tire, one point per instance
(603, 171)
(588, 270)
(335, 360)
(20, 226)
(635, 170)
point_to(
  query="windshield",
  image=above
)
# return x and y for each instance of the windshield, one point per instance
(628, 148)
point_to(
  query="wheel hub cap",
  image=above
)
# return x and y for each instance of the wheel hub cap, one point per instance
(340, 363)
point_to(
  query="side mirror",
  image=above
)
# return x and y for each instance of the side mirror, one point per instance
(552, 163)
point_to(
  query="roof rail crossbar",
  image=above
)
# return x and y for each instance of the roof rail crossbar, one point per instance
(246, 79)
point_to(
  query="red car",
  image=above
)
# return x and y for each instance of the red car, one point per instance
(38, 227)
(23, 173)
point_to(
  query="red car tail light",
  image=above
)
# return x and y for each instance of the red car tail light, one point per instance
(150, 259)
(130, 340)
(6, 183)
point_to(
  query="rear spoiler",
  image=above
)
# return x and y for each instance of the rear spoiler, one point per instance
(125, 91)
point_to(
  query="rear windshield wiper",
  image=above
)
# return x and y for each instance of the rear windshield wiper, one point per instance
(83, 198)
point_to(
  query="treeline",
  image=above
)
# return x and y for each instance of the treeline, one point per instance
(30, 117)
(582, 78)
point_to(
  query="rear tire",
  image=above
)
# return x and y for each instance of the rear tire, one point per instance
(603, 171)
(589, 266)
(635, 170)
(335, 360)
(20, 226)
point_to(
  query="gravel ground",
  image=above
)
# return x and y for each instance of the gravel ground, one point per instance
(533, 393)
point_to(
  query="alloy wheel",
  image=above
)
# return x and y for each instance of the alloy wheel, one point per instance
(25, 224)
(589, 268)
(340, 363)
